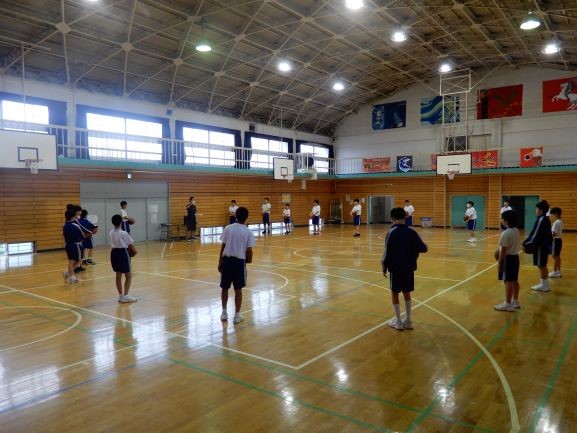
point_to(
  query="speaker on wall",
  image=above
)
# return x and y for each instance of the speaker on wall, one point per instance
(251, 127)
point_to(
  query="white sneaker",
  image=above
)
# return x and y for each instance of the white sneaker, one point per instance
(515, 303)
(65, 275)
(540, 287)
(407, 324)
(504, 306)
(555, 274)
(237, 318)
(224, 316)
(472, 240)
(127, 299)
(73, 280)
(394, 323)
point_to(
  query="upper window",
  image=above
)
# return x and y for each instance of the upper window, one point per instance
(320, 156)
(17, 116)
(113, 137)
(208, 147)
(264, 159)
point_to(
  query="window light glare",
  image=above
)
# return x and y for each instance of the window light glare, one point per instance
(338, 86)
(284, 66)
(203, 47)
(354, 4)
(399, 36)
(551, 48)
(445, 67)
(530, 22)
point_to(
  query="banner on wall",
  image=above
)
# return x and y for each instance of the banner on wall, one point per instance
(404, 164)
(376, 165)
(560, 95)
(485, 159)
(531, 156)
(432, 109)
(500, 102)
(389, 116)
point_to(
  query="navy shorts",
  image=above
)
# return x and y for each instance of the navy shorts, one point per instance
(233, 271)
(540, 257)
(88, 243)
(357, 220)
(125, 226)
(556, 247)
(266, 218)
(409, 221)
(471, 225)
(191, 223)
(287, 220)
(120, 260)
(510, 270)
(316, 220)
(402, 281)
(74, 251)
(231, 219)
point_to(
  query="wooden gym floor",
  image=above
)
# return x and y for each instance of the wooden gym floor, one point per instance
(314, 353)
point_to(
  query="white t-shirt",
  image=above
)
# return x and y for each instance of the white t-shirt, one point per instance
(286, 213)
(237, 238)
(119, 238)
(266, 207)
(356, 209)
(409, 210)
(505, 208)
(232, 210)
(316, 210)
(510, 238)
(123, 214)
(557, 229)
(471, 213)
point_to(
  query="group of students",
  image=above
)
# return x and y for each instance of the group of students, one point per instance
(78, 231)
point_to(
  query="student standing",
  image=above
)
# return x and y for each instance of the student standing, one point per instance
(316, 217)
(190, 219)
(286, 217)
(232, 212)
(356, 213)
(235, 253)
(126, 220)
(509, 261)
(122, 249)
(409, 211)
(266, 207)
(539, 244)
(402, 248)
(471, 219)
(73, 238)
(505, 208)
(88, 243)
(556, 232)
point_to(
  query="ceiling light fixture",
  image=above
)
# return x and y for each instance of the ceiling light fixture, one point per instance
(530, 22)
(203, 47)
(551, 48)
(338, 86)
(399, 36)
(284, 66)
(354, 4)
(445, 67)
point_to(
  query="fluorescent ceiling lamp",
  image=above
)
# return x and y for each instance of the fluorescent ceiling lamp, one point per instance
(551, 48)
(203, 47)
(445, 67)
(284, 66)
(354, 4)
(338, 86)
(530, 22)
(399, 36)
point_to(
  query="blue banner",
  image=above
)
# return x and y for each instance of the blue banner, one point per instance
(404, 164)
(389, 116)
(431, 110)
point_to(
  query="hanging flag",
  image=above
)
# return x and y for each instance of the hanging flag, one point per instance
(560, 95)
(376, 165)
(404, 164)
(389, 116)
(485, 159)
(500, 102)
(432, 110)
(531, 156)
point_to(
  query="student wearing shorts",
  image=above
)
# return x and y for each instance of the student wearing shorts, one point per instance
(556, 232)
(73, 238)
(538, 243)
(509, 261)
(122, 249)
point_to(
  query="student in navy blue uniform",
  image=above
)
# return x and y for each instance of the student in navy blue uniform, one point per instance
(88, 243)
(191, 219)
(73, 238)
(77, 216)
(539, 244)
(402, 248)
(122, 249)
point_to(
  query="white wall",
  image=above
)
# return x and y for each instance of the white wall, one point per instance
(74, 96)
(355, 137)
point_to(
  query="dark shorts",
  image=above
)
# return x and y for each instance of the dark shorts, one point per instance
(88, 243)
(409, 221)
(316, 220)
(402, 281)
(357, 220)
(266, 218)
(556, 247)
(540, 257)
(471, 225)
(233, 271)
(74, 251)
(231, 219)
(125, 226)
(287, 220)
(510, 271)
(191, 223)
(120, 260)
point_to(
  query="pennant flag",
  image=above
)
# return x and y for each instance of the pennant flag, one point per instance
(531, 156)
(432, 110)
(560, 95)
(485, 159)
(404, 164)
(376, 165)
(500, 102)
(389, 116)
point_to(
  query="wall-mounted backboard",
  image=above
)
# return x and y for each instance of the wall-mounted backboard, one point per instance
(19, 147)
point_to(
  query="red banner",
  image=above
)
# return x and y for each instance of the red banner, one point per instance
(500, 102)
(560, 95)
(485, 159)
(376, 165)
(433, 161)
(531, 156)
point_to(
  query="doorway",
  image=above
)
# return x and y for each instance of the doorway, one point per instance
(524, 207)
(379, 209)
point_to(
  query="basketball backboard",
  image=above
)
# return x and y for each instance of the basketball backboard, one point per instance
(283, 168)
(454, 163)
(19, 148)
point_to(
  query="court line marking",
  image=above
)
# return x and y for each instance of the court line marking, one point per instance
(78, 320)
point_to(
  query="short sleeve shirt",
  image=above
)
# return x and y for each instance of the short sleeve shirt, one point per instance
(357, 209)
(266, 207)
(119, 238)
(510, 239)
(557, 229)
(237, 238)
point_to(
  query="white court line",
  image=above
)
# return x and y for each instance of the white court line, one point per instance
(78, 320)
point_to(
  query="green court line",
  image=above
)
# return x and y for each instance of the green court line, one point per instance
(551, 384)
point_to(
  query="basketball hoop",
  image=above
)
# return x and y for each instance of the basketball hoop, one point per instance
(32, 164)
(451, 174)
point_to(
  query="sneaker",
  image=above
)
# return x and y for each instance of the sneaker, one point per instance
(79, 269)
(224, 316)
(65, 275)
(127, 299)
(237, 318)
(90, 262)
(555, 274)
(394, 323)
(188, 239)
(515, 304)
(73, 280)
(407, 324)
(504, 306)
(472, 240)
(540, 287)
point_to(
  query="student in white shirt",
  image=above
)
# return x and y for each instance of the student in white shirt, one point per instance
(409, 211)
(505, 208)
(508, 261)
(356, 213)
(232, 212)
(316, 217)
(122, 249)
(557, 232)
(471, 219)
(126, 220)
(286, 217)
(266, 216)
